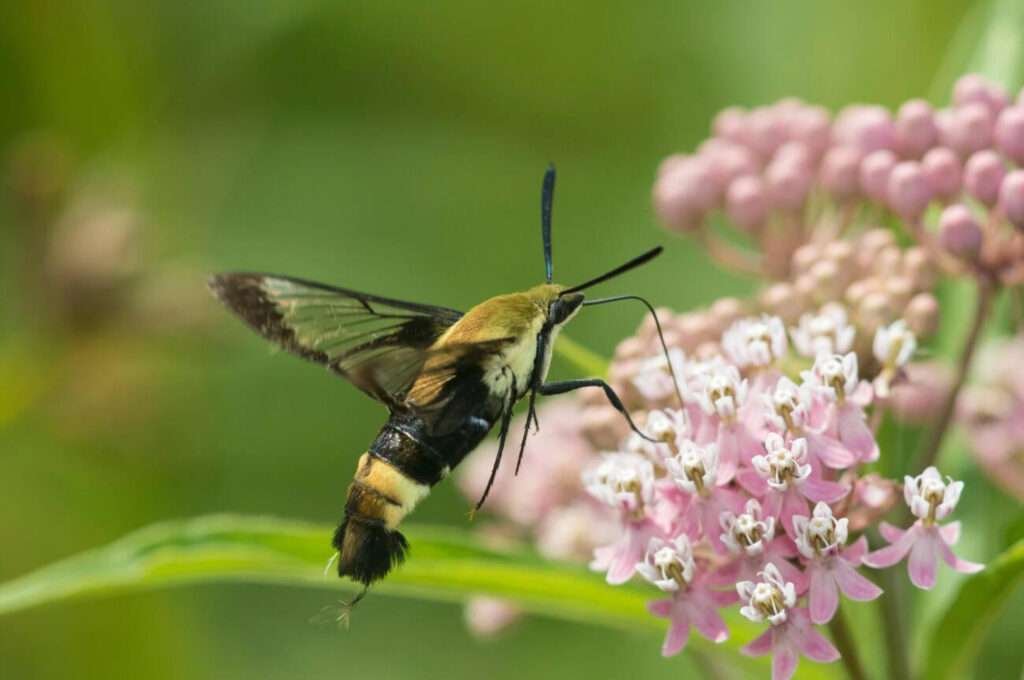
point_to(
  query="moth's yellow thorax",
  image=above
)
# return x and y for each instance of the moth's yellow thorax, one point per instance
(517, 317)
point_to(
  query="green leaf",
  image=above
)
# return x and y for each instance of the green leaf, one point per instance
(444, 565)
(586, 360)
(963, 626)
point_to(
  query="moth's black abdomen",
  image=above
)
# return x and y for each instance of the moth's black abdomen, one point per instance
(367, 549)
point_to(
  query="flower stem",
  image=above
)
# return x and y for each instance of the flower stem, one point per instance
(847, 646)
(929, 451)
(892, 612)
(737, 259)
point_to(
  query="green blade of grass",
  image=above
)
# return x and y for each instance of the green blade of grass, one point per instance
(444, 565)
(961, 629)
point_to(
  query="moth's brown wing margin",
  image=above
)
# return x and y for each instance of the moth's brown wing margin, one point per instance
(377, 343)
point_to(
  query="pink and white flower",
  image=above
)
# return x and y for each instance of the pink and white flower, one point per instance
(750, 538)
(826, 332)
(624, 481)
(722, 395)
(670, 566)
(893, 347)
(789, 410)
(783, 477)
(831, 567)
(841, 398)
(790, 634)
(930, 499)
(755, 342)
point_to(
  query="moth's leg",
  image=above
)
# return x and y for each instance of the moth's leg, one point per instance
(563, 386)
(506, 418)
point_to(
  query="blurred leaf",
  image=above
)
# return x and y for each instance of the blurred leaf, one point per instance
(988, 42)
(586, 360)
(962, 628)
(446, 565)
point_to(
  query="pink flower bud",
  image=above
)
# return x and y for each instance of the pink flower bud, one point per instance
(730, 123)
(916, 131)
(874, 173)
(812, 127)
(922, 314)
(942, 167)
(788, 181)
(959, 233)
(1010, 133)
(1011, 198)
(983, 174)
(794, 153)
(746, 202)
(766, 131)
(684, 194)
(909, 190)
(867, 128)
(840, 172)
(670, 163)
(968, 129)
(727, 161)
(488, 616)
(919, 397)
(975, 89)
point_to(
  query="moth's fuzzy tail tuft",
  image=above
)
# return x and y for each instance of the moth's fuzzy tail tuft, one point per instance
(367, 550)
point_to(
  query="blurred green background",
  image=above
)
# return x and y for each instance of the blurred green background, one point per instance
(389, 147)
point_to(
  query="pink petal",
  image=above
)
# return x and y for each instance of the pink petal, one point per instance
(829, 451)
(950, 533)
(891, 554)
(823, 595)
(727, 575)
(823, 490)
(626, 553)
(963, 566)
(923, 561)
(855, 433)
(889, 532)
(855, 552)
(792, 504)
(676, 637)
(783, 545)
(784, 662)
(752, 482)
(725, 598)
(813, 644)
(602, 558)
(853, 584)
(731, 500)
(760, 645)
(709, 512)
(660, 608)
(707, 620)
(771, 505)
(789, 573)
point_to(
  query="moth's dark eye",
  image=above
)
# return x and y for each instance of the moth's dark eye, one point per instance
(563, 307)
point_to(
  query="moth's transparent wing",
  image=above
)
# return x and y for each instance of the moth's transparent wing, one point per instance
(379, 344)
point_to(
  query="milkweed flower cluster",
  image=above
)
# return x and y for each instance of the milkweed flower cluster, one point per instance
(758, 491)
(991, 411)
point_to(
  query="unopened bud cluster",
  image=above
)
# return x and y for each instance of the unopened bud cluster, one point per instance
(791, 174)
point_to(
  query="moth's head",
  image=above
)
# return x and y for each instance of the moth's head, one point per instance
(559, 306)
(561, 302)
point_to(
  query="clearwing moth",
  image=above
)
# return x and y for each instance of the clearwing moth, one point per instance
(445, 376)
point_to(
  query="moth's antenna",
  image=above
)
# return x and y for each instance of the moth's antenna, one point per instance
(657, 325)
(547, 197)
(643, 258)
